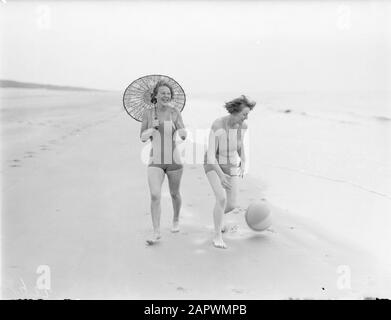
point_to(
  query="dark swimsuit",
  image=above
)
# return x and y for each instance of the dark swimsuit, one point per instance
(165, 164)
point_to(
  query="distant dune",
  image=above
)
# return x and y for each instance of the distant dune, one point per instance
(29, 85)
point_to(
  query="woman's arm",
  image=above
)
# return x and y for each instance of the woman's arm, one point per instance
(241, 151)
(145, 132)
(180, 125)
(212, 149)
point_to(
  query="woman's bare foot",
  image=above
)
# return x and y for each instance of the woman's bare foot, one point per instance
(218, 242)
(154, 239)
(175, 226)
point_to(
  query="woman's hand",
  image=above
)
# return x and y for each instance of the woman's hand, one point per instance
(182, 133)
(225, 181)
(148, 134)
(242, 169)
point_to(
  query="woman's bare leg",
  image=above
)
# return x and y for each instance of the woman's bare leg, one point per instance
(174, 182)
(232, 195)
(218, 211)
(155, 181)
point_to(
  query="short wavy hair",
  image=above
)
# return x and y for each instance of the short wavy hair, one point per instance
(160, 83)
(237, 105)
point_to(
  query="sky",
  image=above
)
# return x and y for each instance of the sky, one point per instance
(207, 47)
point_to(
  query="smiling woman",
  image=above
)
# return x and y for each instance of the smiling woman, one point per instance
(225, 160)
(159, 125)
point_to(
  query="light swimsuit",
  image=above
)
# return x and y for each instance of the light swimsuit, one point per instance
(231, 166)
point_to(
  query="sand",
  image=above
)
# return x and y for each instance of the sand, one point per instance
(75, 198)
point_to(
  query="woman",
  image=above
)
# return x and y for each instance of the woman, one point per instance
(225, 160)
(160, 125)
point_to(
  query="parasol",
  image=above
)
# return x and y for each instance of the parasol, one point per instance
(137, 96)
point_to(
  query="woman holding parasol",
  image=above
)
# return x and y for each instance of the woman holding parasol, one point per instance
(161, 120)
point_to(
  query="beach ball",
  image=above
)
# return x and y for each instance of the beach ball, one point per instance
(258, 216)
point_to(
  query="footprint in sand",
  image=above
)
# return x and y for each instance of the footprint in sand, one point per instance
(238, 291)
(234, 228)
(29, 155)
(230, 229)
(15, 163)
(44, 147)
